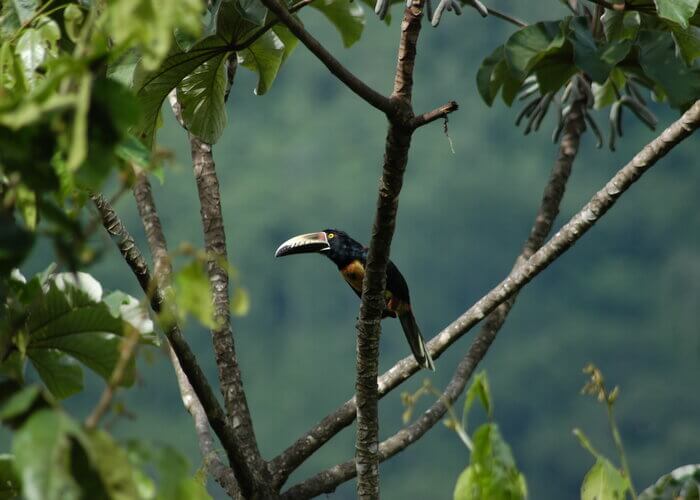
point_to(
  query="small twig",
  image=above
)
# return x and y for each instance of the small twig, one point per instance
(435, 114)
(128, 350)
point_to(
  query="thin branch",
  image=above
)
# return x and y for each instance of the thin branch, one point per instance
(506, 17)
(134, 258)
(163, 270)
(360, 88)
(268, 26)
(250, 469)
(433, 115)
(128, 350)
(221, 474)
(305, 446)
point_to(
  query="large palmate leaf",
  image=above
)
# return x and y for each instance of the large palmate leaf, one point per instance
(596, 60)
(153, 87)
(67, 322)
(657, 58)
(348, 17)
(201, 96)
(265, 58)
(529, 45)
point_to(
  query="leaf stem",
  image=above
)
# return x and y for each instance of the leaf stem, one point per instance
(620, 449)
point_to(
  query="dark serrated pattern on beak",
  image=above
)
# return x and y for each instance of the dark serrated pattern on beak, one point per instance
(304, 243)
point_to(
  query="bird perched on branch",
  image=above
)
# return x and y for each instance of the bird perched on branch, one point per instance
(351, 258)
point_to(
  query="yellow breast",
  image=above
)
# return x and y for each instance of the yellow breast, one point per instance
(354, 273)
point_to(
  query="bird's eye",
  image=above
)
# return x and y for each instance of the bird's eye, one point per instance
(331, 236)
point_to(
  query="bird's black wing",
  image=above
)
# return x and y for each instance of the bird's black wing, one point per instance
(396, 283)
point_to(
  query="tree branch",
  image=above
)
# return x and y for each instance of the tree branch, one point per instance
(251, 470)
(374, 284)
(360, 88)
(221, 474)
(305, 446)
(128, 348)
(163, 270)
(326, 481)
(134, 258)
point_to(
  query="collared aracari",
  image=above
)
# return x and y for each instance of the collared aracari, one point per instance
(350, 257)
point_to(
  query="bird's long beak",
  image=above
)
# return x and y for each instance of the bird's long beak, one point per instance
(304, 243)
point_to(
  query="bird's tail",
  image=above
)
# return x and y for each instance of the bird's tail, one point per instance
(415, 340)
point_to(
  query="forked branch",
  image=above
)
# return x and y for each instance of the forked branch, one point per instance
(306, 445)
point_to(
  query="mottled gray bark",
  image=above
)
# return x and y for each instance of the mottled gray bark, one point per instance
(163, 270)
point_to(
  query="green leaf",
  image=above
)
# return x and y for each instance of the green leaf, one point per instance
(596, 61)
(134, 151)
(113, 466)
(553, 72)
(678, 11)
(682, 483)
(605, 94)
(604, 482)
(113, 109)
(69, 321)
(688, 42)
(10, 484)
(72, 21)
(657, 58)
(478, 389)
(153, 87)
(621, 25)
(132, 311)
(240, 302)
(175, 481)
(61, 374)
(193, 293)
(32, 52)
(492, 472)
(149, 24)
(201, 95)
(41, 448)
(288, 39)
(97, 350)
(527, 46)
(15, 241)
(491, 74)
(265, 58)
(15, 13)
(19, 402)
(348, 17)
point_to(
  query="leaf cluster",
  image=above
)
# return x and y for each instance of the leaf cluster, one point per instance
(613, 56)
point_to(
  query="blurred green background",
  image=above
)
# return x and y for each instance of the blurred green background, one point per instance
(308, 156)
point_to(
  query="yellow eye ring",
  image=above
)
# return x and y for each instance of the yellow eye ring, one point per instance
(331, 236)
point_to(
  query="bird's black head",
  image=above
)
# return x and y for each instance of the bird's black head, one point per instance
(333, 243)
